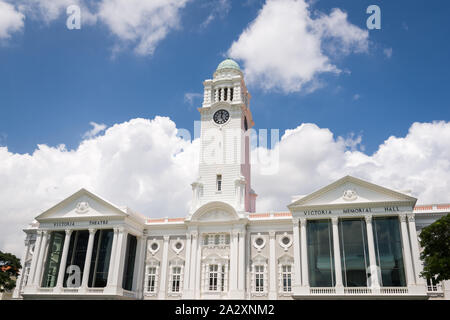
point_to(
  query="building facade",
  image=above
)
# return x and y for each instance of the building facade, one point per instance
(351, 239)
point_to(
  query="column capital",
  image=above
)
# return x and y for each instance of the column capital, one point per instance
(411, 217)
(68, 232)
(368, 218)
(234, 233)
(334, 220)
(272, 234)
(303, 221)
(295, 222)
(166, 238)
(92, 230)
(402, 217)
(116, 230)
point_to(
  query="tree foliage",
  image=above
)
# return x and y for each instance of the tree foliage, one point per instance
(9, 270)
(435, 241)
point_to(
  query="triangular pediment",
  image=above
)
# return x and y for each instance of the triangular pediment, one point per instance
(82, 204)
(349, 191)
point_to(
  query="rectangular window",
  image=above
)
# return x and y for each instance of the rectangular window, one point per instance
(151, 279)
(130, 257)
(213, 273)
(101, 254)
(53, 259)
(222, 284)
(77, 252)
(354, 252)
(286, 271)
(388, 249)
(320, 253)
(219, 182)
(176, 279)
(259, 278)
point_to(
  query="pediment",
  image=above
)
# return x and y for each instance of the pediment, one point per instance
(349, 191)
(80, 205)
(216, 215)
(215, 212)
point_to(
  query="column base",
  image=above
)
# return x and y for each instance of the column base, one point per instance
(188, 294)
(237, 294)
(340, 290)
(273, 295)
(113, 290)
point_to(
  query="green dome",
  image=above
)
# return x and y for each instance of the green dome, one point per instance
(228, 64)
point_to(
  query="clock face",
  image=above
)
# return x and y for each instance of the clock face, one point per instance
(221, 116)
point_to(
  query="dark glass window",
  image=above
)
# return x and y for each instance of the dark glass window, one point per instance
(77, 251)
(354, 252)
(53, 259)
(130, 257)
(388, 248)
(101, 254)
(320, 253)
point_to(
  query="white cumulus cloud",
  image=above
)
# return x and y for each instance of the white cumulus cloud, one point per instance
(286, 47)
(145, 165)
(141, 23)
(11, 20)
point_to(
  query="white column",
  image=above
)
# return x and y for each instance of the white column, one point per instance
(219, 277)
(337, 256)
(37, 249)
(162, 287)
(415, 249)
(116, 271)
(374, 275)
(62, 264)
(19, 282)
(197, 271)
(38, 274)
(195, 239)
(139, 275)
(233, 262)
(241, 274)
(406, 251)
(112, 258)
(187, 268)
(87, 260)
(304, 253)
(297, 269)
(272, 267)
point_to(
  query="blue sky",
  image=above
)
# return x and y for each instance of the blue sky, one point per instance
(54, 81)
(312, 68)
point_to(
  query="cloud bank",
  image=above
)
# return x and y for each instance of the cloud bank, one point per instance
(143, 164)
(287, 46)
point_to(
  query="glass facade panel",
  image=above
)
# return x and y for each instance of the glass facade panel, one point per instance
(53, 259)
(130, 257)
(101, 254)
(354, 252)
(388, 249)
(77, 252)
(320, 253)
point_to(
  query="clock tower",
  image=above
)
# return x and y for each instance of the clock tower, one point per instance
(226, 120)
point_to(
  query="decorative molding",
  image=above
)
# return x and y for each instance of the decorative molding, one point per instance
(180, 247)
(402, 217)
(368, 218)
(350, 195)
(411, 218)
(261, 245)
(287, 245)
(153, 247)
(82, 207)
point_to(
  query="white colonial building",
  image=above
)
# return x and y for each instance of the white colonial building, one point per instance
(350, 239)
